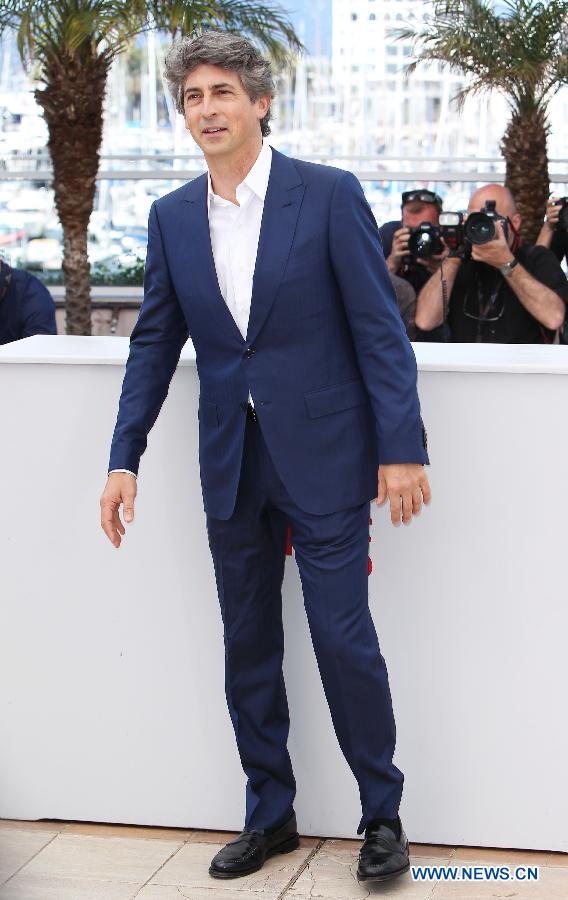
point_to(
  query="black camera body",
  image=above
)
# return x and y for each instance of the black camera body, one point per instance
(480, 226)
(562, 224)
(424, 241)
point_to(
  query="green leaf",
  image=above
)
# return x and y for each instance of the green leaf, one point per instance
(520, 51)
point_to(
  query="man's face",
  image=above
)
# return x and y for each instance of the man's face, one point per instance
(220, 115)
(413, 214)
(502, 208)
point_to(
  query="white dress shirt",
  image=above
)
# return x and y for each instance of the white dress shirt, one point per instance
(235, 231)
(234, 234)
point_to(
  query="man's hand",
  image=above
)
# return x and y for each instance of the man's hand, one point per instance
(399, 250)
(552, 214)
(496, 252)
(120, 488)
(406, 485)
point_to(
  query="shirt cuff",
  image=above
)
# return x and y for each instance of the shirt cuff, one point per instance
(123, 470)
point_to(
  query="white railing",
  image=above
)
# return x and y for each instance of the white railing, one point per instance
(104, 296)
(22, 167)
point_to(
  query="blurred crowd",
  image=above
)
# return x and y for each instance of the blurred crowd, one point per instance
(457, 276)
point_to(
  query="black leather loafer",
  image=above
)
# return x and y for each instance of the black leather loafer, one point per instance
(382, 855)
(249, 851)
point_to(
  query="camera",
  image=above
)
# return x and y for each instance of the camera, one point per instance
(424, 241)
(562, 224)
(480, 226)
(452, 231)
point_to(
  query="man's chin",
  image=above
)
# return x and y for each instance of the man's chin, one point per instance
(216, 147)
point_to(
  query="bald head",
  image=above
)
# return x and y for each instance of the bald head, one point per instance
(505, 202)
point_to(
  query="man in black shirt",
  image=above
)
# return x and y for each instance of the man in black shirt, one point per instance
(509, 292)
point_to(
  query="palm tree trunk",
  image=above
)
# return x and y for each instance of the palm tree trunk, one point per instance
(524, 149)
(72, 102)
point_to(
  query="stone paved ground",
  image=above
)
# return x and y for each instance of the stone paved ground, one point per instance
(76, 861)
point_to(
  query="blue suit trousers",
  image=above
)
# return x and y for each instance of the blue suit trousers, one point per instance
(331, 551)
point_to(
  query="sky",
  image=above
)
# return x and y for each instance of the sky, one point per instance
(312, 23)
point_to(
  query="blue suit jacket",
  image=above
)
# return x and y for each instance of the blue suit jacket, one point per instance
(326, 357)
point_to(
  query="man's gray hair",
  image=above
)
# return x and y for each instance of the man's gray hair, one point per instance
(229, 51)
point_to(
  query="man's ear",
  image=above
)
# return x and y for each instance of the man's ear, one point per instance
(516, 221)
(263, 105)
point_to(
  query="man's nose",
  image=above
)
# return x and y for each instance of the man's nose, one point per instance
(209, 107)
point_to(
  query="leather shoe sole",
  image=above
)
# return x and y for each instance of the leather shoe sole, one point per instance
(386, 877)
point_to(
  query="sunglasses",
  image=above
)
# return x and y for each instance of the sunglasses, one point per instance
(492, 312)
(483, 318)
(422, 196)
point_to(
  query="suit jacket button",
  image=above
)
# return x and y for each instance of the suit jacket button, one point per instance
(249, 352)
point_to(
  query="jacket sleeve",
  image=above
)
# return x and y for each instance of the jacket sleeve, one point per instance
(156, 343)
(384, 353)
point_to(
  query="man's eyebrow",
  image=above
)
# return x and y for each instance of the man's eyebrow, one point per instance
(211, 87)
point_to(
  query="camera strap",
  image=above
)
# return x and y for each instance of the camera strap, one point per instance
(486, 290)
(486, 302)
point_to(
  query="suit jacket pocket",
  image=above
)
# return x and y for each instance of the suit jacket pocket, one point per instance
(333, 399)
(207, 413)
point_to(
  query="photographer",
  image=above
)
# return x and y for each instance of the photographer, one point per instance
(554, 232)
(495, 287)
(404, 262)
(418, 206)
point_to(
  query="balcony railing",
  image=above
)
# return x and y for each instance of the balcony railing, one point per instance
(182, 167)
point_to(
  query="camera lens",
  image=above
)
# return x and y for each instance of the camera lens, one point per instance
(479, 228)
(423, 243)
(483, 231)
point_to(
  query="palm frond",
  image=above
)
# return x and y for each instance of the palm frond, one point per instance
(51, 31)
(265, 23)
(520, 50)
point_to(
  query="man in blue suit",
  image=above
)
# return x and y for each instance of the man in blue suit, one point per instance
(308, 410)
(26, 306)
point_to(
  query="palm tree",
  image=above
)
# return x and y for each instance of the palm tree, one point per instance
(522, 52)
(72, 44)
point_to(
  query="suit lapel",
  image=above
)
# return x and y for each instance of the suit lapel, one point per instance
(196, 236)
(280, 214)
